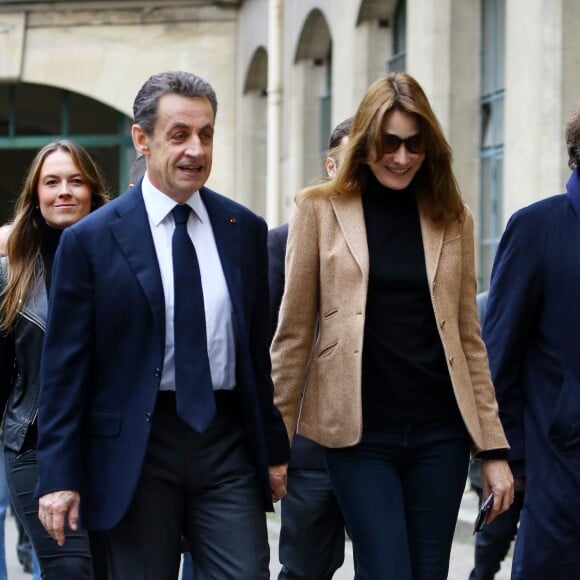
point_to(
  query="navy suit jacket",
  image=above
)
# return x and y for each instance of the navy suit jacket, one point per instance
(532, 334)
(306, 454)
(104, 348)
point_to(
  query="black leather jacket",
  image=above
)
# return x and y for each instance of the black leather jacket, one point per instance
(20, 353)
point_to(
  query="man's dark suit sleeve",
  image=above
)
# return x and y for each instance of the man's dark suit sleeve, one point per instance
(277, 239)
(512, 309)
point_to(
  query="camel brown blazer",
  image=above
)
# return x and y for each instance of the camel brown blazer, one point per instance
(317, 376)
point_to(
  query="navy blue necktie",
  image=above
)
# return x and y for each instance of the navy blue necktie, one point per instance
(193, 384)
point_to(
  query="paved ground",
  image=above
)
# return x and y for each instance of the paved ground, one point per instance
(461, 555)
(13, 567)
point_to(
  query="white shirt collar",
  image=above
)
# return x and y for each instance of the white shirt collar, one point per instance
(159, 205)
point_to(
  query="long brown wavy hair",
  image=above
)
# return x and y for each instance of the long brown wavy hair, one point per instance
(434, 182)
(25, 240)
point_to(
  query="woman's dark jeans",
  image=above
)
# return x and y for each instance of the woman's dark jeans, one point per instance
(399, 491)
(73, 560)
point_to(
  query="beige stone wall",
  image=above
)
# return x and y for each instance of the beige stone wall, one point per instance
(443, 55)
(109, 62)
(107, 53)
(543, 83)
(12, 33)
(570, 94)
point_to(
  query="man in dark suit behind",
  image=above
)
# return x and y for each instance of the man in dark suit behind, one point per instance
(155, 431)
(532, 332)
(312, 532)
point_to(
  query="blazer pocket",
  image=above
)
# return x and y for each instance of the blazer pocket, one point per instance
(565, 428)
(104, 424)
(330, 314)
(328, 349)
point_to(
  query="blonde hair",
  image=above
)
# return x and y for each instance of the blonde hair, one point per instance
(23, 247)
(434, 182)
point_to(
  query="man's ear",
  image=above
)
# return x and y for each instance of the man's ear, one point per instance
(140, 140)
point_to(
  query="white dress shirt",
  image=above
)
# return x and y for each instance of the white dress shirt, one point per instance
(216, 299)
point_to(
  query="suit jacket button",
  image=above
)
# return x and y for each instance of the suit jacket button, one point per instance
(442, 323)
(451, 360)
(157, 372)
(148, 417)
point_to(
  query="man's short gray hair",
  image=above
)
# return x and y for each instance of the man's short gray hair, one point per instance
(165, 83)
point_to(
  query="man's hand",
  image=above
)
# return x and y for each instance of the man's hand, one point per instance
(496, 478)
(278, 475)
(57, 508)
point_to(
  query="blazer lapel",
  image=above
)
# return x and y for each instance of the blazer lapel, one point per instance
(134, 237)
(433, 235)
(350, 217)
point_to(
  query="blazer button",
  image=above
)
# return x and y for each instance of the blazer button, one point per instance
(157, 372)
(148, 417)
(442, 323)
(451, 360)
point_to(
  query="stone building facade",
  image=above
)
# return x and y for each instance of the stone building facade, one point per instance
(502, 76)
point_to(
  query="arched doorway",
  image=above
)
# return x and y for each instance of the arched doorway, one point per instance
(312, 95)
(255, 127)
(33, 115)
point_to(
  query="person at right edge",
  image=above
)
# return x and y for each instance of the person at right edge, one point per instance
(381, 261)
(531, 329)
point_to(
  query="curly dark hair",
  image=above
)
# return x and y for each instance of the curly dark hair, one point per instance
(573, 138)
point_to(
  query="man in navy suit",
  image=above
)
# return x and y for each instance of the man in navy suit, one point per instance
(312, 531)
(146, 454)
(532, 334)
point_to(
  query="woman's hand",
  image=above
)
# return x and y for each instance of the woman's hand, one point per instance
(497, 478)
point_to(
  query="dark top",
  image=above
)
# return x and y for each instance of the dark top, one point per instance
(50, 240)
(405, 376)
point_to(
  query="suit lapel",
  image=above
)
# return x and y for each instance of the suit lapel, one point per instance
(350, 217)
(224, 219)
(133, 234)
(433, 235)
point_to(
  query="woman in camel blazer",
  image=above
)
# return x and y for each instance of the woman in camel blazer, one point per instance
(378, 353)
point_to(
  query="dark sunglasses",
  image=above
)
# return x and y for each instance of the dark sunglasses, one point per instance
(413, 144)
